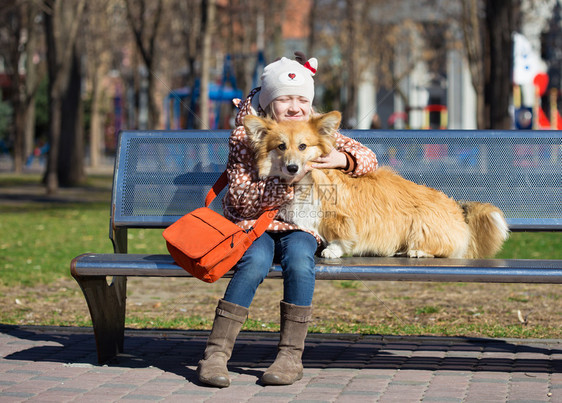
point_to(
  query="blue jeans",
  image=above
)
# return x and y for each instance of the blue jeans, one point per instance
(294, 250)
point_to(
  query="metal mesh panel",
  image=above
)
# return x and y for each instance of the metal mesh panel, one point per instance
(521, 175)
(163, 178)
(165, 175)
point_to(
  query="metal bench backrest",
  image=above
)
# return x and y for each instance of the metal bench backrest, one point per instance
(161, 175)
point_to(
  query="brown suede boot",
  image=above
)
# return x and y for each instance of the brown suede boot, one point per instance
(229, 319)
(287, 367)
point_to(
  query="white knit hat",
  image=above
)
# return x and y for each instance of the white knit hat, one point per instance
(287, 77)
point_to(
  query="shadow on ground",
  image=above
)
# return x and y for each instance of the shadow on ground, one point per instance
(179, 351)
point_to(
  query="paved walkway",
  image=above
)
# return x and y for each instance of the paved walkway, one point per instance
(57, 364)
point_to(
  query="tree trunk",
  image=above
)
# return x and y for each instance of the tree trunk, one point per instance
(351, 60)
(191, 20)
(61, 29)
(311, 29)
(473, 43)
(19, 126)
(97, 115)
(98, 49)
(70, 164)
(153, 107)
(19, 118)
(51, 177)
(489, 49)
(499, 24)
(208, 29)
(96, 126)
(29, 129)
(146, 50)
(277, 14)
(32, 79)
(12, 59)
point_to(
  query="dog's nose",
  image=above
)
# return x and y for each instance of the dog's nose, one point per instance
(293, 169)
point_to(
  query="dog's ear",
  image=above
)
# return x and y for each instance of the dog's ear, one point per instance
(328, 123)
(256, 127)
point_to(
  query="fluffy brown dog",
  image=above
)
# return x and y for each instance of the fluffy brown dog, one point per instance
(380, 213)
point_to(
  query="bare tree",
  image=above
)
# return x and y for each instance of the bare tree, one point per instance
(70, 164)
(34, 72)
(500, 24)
(487, 27)
(209, 8)
(62, 23)
(189, 20)
(13, 22)
(352, 31)
(144, 22)
(360, 42)
(312, 19)
(275, 15)
(242, 27)
(98, 48)
(363, 43)
(18, 41)
(473, 44)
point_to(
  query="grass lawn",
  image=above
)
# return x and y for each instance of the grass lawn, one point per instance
(41, 235)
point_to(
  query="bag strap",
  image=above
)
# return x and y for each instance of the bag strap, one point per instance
(261, 223)
(219, 185)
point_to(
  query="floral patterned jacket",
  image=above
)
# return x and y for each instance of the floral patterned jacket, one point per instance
(247, 196)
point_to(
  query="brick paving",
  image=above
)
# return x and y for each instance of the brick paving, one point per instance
(57, 364)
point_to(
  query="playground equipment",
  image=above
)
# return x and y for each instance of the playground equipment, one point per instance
(185, 100)
(428, 117)
(181, 107)
(534, 117)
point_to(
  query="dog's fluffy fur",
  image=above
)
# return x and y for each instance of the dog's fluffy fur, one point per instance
(380, 213)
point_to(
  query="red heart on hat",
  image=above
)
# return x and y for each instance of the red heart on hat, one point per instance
(292, 76)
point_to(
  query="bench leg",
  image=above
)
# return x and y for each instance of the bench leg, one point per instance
(107, 310)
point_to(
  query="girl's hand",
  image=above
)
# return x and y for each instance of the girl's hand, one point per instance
(334, 159)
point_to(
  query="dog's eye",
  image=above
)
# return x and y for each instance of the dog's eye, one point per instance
(302, 147)
(282, 146)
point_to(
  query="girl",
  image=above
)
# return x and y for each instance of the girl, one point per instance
(286, 93)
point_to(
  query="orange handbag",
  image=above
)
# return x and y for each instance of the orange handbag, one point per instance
(206, 244)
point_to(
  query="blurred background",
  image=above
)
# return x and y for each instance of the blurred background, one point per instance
(74, 73)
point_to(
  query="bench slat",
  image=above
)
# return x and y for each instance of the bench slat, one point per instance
(356, 268)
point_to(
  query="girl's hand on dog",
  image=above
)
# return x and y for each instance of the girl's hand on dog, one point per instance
(334, 159)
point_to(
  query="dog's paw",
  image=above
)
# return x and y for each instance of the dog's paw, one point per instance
(329, 254)
(332, 251)
(418, 253)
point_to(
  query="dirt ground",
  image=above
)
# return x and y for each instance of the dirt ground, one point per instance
(353, 303)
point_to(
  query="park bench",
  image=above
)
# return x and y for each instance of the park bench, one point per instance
(161, 175)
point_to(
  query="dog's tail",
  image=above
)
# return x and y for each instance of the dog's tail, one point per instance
(488, 229)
